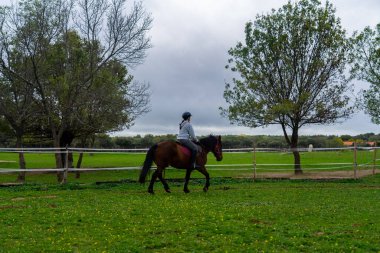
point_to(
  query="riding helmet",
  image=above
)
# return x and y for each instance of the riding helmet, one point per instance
(186, 115)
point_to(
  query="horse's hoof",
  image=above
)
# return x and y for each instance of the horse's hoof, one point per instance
(151, 191)
(205, 189)
(186, 191)
(168, 190)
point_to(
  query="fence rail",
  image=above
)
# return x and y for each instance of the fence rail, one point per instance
(254, 166)
(143, 150)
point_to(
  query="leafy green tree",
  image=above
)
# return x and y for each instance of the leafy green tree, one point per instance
(291, 71)
(17, 100)
(6, 135)
(365, 56)
(346, 137)
(76, 64)
(17, 108)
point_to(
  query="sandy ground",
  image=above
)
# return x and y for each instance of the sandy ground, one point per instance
(321, 175)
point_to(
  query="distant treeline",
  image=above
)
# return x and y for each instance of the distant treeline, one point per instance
(239, 141)
(229, 141)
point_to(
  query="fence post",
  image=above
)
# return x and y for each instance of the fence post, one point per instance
(254, 161)
(355, 160)
(374, 159)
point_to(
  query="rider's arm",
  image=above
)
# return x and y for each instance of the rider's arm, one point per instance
(191, 133)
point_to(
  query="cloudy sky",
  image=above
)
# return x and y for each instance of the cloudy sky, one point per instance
(185, 67)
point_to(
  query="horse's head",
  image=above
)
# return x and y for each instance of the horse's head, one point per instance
(217, 150)
(213, 144)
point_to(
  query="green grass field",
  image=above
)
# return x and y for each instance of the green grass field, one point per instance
(236, 215)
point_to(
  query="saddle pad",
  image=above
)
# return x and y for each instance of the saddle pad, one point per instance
(185, 150)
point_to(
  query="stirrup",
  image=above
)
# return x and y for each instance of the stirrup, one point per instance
(196, 166)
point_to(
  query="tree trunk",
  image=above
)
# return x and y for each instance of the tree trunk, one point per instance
(293, 143)
(58, 157)
(297, 163)
(80, 158)
(21, 160)
(296, 153)
(66, 139)
(79, 164)
(71, 160)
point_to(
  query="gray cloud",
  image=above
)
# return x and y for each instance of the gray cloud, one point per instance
(185, 67)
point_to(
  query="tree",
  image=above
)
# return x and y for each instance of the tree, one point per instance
(16, 99)
(291, 71)
(6, 135)
(365, 59)
(67, 63)
(112, 103)
(17, 108)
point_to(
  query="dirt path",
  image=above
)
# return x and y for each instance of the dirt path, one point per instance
(320, 175)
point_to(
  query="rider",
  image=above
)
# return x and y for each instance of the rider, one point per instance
(187, 137)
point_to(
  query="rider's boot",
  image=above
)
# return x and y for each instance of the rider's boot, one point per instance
(193, 157)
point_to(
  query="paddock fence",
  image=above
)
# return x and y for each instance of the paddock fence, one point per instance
(256, 163)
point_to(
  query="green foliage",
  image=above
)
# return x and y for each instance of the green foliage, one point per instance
(5, 133)
(291, 69)
(229, 141)
(365, 59)
(236, 141)
(74, 71)
(235, 215)
(372, 103)
(365, 55)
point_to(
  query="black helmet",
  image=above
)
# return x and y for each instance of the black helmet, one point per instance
(186, 115)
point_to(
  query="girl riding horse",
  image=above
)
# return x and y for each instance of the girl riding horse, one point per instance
(170, 153)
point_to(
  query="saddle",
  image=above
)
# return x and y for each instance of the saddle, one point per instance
(186, 150)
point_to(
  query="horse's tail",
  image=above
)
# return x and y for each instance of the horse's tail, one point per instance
(147, 163)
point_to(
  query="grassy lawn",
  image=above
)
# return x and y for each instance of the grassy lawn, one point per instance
(236, 215)
(97, 160)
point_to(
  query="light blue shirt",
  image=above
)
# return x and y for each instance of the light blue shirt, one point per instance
(186, 132)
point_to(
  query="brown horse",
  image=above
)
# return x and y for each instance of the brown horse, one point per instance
(170, 153)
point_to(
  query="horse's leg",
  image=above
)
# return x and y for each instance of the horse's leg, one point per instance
(187, 178)
(163, 181)
(152, 180)
(205, 173)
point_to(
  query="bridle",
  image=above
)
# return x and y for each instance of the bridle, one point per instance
(218, 148)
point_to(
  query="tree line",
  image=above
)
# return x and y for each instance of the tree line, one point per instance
(229, 141)
(241, 141)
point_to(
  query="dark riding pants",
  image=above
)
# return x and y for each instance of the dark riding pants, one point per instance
(193, 148)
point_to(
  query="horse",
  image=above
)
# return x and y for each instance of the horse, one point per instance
(172, 153)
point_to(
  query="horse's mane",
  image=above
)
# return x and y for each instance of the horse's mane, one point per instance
(208, 142)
